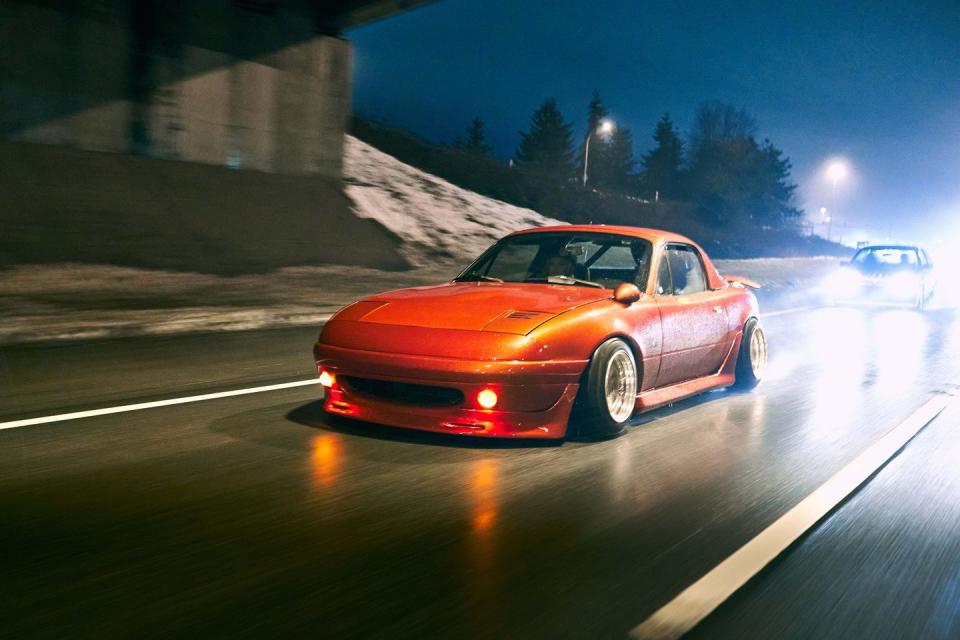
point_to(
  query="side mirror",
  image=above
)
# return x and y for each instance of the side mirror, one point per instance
(626, 293)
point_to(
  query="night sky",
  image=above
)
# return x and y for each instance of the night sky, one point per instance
(875, 82)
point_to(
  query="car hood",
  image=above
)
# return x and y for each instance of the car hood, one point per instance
(516, 308)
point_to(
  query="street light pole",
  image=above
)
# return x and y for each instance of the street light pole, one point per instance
(605, 127)
(833, 209)
(836, 171)
(586, 156)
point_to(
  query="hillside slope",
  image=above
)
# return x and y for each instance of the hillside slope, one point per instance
(436, 220)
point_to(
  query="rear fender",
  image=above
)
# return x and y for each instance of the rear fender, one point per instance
(744, 281)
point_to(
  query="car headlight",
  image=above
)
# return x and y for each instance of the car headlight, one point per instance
(904, 283)
(843, 282)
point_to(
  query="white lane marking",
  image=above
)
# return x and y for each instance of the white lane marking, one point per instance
(698, 600)
(150, 405)
(783, 312)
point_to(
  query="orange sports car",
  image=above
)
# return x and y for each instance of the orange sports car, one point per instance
(581, 325)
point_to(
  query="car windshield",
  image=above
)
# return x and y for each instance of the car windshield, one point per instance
(885, 258)
(577, 259)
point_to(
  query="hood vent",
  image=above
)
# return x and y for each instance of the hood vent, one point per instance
(518, 322)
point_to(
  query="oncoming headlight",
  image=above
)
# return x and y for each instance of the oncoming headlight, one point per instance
(902, 283)
(843, 282)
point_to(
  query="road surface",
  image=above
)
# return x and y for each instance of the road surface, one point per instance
(255, 515)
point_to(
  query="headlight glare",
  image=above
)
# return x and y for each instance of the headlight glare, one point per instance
(843, 282)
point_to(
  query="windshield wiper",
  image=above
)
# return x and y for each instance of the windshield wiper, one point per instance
(474, 277)
(566, 280)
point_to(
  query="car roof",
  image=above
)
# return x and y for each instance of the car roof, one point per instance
(902, 247)
(653, 235)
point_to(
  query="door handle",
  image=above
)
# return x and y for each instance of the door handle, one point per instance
(718, 309)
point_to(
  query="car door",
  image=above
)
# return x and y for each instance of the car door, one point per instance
(693, 318)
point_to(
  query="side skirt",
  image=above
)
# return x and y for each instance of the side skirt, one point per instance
(725, 377)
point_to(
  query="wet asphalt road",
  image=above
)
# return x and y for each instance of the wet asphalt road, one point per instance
(257, 516)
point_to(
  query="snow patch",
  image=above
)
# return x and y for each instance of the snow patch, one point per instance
(436, 220)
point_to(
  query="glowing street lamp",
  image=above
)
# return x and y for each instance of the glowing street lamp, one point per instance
(605, 128)
(836, 172)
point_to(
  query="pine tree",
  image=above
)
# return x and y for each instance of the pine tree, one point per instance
(718, 122)
(661, 167)
(613, 169)
(596, 113)
(547, 146)
(733, 178)
(476, 141)
(779, 191)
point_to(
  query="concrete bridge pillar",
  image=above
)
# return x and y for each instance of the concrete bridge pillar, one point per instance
(209, 82)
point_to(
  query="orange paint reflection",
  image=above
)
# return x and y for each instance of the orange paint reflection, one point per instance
(484, 510)
(483, 521)
(483, 484)
(326, 457)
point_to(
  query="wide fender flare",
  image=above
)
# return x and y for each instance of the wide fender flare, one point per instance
(577, 334)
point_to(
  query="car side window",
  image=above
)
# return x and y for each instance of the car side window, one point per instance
(686, 270)
(664, 284)
(618, 263)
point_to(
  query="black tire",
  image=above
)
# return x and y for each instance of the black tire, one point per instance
(593, 416)
(751, 361)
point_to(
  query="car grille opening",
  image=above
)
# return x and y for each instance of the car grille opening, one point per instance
(405, 393)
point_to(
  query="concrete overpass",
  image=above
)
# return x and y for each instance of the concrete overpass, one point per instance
(253, 84)
(340, 15)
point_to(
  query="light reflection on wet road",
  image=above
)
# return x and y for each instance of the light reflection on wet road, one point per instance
(256, 515)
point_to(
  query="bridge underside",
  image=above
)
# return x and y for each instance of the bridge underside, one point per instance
(254, 84)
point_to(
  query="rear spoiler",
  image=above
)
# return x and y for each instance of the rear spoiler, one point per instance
(746, 282)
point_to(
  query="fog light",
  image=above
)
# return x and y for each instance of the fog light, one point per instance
(327, 379)
(487, 398)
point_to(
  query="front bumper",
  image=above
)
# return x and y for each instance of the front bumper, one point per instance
(883, 296)
(535, 398)
(893, 290)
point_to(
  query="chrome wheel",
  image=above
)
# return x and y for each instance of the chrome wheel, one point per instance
(620, 385)
(758, 352)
